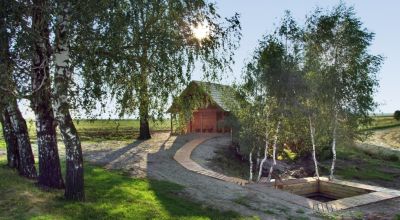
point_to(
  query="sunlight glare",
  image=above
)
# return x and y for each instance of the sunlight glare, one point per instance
(201, 31)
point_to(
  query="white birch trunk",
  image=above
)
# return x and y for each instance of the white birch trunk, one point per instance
(251, 165)
(333, 146)
(74, 182)
(258, 157)
(312, 134)
(260, 169)
(271, 169)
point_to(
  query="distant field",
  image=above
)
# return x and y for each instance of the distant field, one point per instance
(101, 130)
(382, 122)
(128, 129)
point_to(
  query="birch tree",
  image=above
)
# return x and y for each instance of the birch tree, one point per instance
(74, 182)
(14, 125)
(337, 50)
(49, 162)
(151, 52)
(275, 68)
(11, 140)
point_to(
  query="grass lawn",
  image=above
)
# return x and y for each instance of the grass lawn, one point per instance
(382, 122)
(101, 130)
(2, 143)
(356, 164)
(109, 195)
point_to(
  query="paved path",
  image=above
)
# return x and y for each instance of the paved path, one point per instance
(182, 156)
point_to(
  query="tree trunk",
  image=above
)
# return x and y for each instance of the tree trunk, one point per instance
(74, 181)
(258, 157)
(260, 169)
(278, 127)
(251, 165)
(144, 111)
(26, 159)
(144, 127)
(331, 177)
(312, 134)
(49, 162)
(11, 140)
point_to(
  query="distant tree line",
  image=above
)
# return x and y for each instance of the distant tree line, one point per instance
(396, 115)
(65, 55)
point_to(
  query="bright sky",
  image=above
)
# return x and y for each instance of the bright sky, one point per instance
(259, 16)
(381, 17)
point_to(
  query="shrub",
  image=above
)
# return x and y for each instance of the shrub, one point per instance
(396, 115)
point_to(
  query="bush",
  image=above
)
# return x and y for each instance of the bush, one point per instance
(397, 115)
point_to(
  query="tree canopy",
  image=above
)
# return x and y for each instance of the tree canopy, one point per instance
(146, 51)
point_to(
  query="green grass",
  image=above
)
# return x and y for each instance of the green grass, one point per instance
(100, 130)
(382, 122)
(362, 165)
(103, 130)
(227, 162)
(2, 143)
(364, 173)
(109, 195)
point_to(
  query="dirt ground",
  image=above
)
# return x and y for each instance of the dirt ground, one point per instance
(154, 159)
(389, 138)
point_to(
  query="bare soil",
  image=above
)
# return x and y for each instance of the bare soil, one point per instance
(154, 159)
(389, 138)
(207, 153)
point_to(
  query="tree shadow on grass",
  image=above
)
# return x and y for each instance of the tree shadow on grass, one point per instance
(157, 162)
(111, 194)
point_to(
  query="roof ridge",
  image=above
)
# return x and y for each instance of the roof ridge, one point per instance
(219, 84)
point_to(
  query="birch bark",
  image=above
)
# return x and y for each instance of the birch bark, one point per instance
(278, 127)
(331, 177)
(74, 182)
(312, 135)
(251, 165)
(260, 169)
(26, 160)
(49, 161)
(11, 140)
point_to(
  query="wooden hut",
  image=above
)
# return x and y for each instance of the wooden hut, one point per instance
(205, 107)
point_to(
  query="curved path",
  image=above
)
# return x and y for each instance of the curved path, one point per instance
(182, 156)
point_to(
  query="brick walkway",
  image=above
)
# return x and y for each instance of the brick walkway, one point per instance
(182, 156)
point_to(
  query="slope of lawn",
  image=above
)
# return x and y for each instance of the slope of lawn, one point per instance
(109, 195)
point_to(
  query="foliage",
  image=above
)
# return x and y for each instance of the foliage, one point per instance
(110, 195)
(321, 70)
(344, 69)
(144, 52)
(192, 98)
(272, 80)
(396, 115)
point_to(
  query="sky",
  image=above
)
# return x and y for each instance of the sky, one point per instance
(258, 18)
(381, 17)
